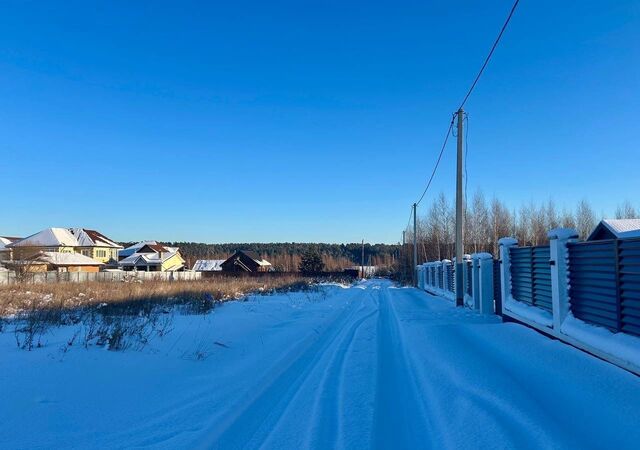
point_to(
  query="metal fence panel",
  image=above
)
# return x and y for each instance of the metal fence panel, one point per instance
(629, 285)
(593, 290)
(542, 277)
(450, 277)
(531, 275)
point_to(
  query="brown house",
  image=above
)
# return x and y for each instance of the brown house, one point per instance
(245, 261)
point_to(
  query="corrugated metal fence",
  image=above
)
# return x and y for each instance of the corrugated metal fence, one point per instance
(531, 275)
(604, 283)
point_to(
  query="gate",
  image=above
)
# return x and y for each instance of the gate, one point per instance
(531, 275)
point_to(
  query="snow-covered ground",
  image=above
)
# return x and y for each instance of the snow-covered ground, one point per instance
(348, 367)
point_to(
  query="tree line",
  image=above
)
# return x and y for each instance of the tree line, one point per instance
(287, 257)
(488, 221)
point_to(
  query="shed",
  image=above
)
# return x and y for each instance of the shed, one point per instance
(615, 229)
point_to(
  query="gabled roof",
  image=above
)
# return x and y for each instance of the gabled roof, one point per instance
(620, 228)
(146, 258)
(134, 248)
(50, 237)
(66, 259)
(255, 257)
(92, 238)
(65, 237)
(208, 265)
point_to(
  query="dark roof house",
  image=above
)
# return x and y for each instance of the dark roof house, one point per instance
(245, 261)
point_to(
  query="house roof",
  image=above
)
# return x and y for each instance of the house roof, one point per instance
(3, 242)
(255, 257)
(65, 237)
(208, 265)
(134, 248)
(66, 259)
(10, 238)
(92, 238)
(620, 228)
(50, 237)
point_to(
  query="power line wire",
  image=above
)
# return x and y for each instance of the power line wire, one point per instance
(435, 168)
(464, 101)
(486, 61)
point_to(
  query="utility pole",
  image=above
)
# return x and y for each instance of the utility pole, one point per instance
(403, 252)
(415, 245)
(460, 214)
(362, 259)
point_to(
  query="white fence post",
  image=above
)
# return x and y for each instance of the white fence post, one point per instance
(558, 240)
(505, 267)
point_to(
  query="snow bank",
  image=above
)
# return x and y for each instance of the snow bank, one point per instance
(619, 345)
(532, 313)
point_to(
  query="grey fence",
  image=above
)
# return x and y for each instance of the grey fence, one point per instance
(10, 277)
(604, 283)
(531, 275)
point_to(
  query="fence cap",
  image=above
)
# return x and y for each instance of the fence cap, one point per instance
(445, 261)
(507, 241)
(562, 233)
(482, 255)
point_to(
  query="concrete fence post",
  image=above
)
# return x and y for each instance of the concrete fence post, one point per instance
(558, 240)
(505, 266)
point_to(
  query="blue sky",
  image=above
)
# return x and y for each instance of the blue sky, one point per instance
(305, 121)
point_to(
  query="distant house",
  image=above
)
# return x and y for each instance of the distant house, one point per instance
(89, 243)
(6, 253)
(615, 229)
(208, 265)
(150, 256)
(56, 261)
(245, 261)
(362, 271)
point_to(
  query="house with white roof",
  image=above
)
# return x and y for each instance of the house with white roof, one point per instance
(89, 243)
(150, 256)
(615, 229)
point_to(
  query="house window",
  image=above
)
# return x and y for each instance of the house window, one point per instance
(101, 253)
(86, 252)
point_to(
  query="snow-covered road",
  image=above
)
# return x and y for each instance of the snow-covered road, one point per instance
(370, 366)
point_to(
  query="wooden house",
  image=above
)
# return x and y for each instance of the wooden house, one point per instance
(245, 261)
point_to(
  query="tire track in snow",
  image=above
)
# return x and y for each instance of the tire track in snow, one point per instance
(400, 420)
(254, 423)
(329, 404)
